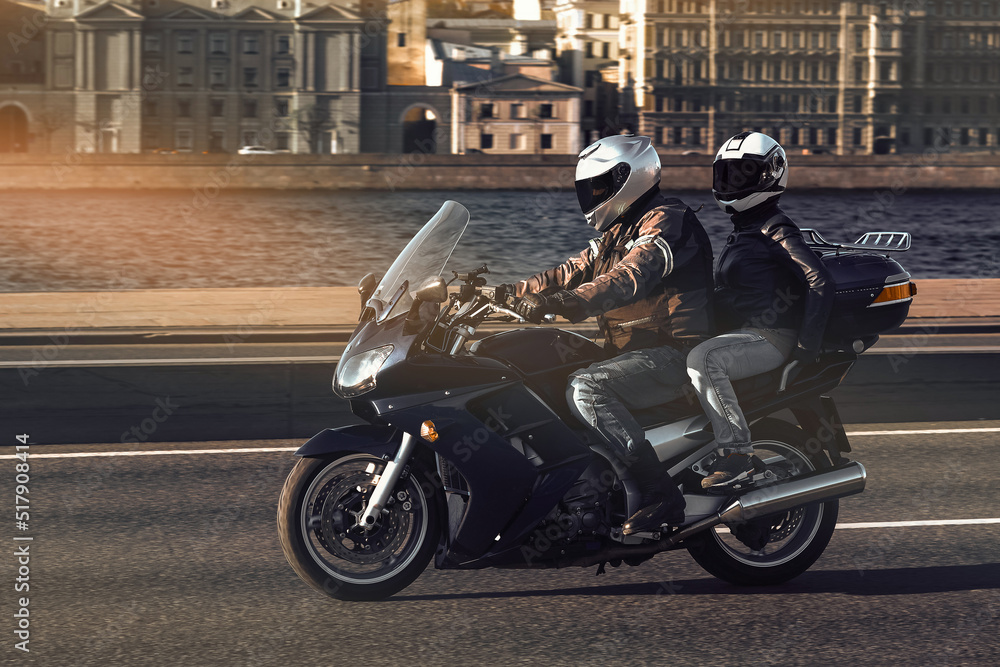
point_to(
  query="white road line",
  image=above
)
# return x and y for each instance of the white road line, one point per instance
(159, 452)
(197, 361)
(258, 450)
(928, 431)
(908, 524)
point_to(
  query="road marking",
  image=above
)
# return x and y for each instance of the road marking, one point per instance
(197, 361)
(928, 431)
(258, 450)
(907, 524)
(160, 452)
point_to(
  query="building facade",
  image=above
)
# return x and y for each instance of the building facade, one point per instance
(201, 76)
(515, 114)
(586, 45)
(819, 75)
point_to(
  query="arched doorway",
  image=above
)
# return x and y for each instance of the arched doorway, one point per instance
(13, 130)
(419, 124)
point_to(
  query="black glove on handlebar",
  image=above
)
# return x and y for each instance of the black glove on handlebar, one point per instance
(506, 293)
(532, 307)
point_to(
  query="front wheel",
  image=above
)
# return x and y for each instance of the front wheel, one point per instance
(794, 539)
(318, 514)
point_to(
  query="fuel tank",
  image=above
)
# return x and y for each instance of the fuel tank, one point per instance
(544, 356)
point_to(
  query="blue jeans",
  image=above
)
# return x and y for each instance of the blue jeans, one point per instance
(734, 356)
(602, 394)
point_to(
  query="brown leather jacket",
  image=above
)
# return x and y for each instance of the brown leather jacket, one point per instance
(648, 279)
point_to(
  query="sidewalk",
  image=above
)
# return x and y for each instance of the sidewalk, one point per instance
(330, 313)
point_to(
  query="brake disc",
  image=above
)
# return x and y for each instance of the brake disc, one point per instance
(342, 500)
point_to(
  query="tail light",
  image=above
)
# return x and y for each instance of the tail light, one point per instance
(895, 294)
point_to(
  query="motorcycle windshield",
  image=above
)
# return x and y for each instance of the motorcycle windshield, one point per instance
(424, 257)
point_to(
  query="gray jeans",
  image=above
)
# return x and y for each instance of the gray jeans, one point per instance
(734, 356)
(602, 394)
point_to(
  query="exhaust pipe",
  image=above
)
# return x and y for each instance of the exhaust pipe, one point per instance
(845, 480)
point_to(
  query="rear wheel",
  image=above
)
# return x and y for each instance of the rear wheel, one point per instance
(795, 539)
(318, 514)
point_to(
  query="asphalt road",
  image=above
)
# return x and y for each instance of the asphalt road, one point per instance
(174, 560)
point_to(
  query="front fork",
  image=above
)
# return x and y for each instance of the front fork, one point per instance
(387, 482)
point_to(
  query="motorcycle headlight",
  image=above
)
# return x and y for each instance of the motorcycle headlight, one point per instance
(356, 376)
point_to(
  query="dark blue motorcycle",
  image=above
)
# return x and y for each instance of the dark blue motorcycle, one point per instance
(470, 453)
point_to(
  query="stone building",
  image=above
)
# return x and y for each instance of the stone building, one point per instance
(820, 75)
(587, 43)
(515, 113)
(203, 75)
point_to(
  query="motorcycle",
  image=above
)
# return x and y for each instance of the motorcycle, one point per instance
(471, 456)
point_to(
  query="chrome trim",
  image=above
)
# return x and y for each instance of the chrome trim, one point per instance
(386, 483)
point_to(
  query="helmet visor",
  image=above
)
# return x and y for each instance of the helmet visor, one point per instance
(592, 192)
(732, 177)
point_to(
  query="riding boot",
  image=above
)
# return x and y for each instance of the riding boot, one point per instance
(662, 502)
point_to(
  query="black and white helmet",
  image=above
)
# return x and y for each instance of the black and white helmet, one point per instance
(612, 174)
(749, 169)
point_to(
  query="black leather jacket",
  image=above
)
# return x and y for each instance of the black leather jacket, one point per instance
(648, 279)
(768, 278)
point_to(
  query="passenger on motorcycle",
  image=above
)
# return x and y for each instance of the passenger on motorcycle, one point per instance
(773, 295)
(648, 279)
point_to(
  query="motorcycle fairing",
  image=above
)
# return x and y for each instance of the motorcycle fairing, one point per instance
(368, 438)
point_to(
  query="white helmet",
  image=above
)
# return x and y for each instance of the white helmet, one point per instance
(612, 174)
(749, 169)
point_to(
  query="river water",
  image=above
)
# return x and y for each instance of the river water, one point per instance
(100, 240)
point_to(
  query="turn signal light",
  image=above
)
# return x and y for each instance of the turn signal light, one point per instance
(894, 293)
(428, 432)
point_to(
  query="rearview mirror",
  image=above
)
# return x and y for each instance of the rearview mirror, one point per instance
(366, 287)
(435, 290)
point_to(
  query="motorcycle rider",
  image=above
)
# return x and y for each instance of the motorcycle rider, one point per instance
(773, 295)
(648, 278)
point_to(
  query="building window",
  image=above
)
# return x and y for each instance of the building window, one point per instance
(678, 135)
(486, 110)
(185, 76)
(545, 111)
(605, 50)
(183, 108)
(546, 142)
(983, 136)
(219, 43)
(283, 77)
(281, 107)
(218, 108)
(485, 140)
(281, 141)
(815, 40)
(251, 44)
(588, 49)
(184, 140)
(150, 109)
(857, 136)
(518, 110)
(588, 108)
(217, 76)
(831, 136)
(401, 39)
(857, 104)
(185, 43)
(250, 137)
(859, 38)
(249, 108)
(283, 45)
(516, 142)
(151, 43)
(696, 136)
(758, 40)
(778, 40)
(249, 76)
(904, 137)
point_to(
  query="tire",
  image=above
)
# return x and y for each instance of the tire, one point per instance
(798, 536)
(339, 559)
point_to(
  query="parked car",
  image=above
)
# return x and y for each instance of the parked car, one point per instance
(255, 150)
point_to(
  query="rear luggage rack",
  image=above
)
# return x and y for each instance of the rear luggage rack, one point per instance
(881, 242)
